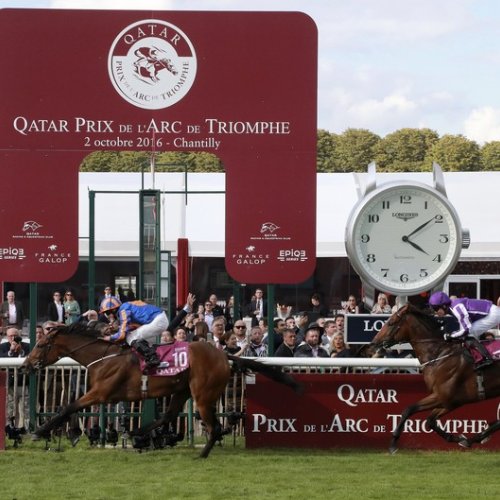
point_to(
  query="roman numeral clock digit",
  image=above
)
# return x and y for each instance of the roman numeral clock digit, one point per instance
(404, 237)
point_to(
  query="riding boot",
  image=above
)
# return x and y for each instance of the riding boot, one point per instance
(148, 351)
(487, 359)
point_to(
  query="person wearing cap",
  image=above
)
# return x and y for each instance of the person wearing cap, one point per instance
(152, 322)
(475, 316)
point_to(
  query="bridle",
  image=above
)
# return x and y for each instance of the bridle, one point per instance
(48, 344)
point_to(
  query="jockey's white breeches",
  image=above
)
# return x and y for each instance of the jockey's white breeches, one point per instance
(149, 331)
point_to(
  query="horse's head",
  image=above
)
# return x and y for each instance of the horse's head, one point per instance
(45, 352)
(393, 331)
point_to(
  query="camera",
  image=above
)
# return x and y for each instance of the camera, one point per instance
(18, 339)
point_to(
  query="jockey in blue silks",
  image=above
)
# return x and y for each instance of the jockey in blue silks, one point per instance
(140, 324)
(475, 316)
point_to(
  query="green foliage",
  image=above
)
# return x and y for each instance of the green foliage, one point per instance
(405, 150)
(456, 153)
(355, 149)
(490, 156)
(31, 473)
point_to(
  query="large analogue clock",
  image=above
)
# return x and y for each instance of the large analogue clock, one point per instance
(403, 238)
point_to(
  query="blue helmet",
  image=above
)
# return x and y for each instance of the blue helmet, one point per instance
(439, 299)
(109, 305)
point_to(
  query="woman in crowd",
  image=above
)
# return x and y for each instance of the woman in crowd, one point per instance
(71, 308)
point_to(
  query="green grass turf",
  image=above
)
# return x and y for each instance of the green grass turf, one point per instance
(232, 472)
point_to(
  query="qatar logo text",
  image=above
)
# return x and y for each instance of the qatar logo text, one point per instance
(152, 64)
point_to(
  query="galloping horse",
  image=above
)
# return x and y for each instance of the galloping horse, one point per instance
(114, 375)
(448, 373)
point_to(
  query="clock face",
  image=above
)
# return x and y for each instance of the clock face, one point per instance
(403, 238)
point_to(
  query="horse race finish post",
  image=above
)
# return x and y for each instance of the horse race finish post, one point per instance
(241, 85)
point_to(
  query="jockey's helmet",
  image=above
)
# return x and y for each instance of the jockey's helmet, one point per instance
(109, 305)
(438, 300)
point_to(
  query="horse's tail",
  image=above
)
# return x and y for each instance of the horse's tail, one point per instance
(271, 372)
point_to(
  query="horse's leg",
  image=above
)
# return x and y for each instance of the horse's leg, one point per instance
(213, 426)
(427, 403)
(86, 400)
(481, 437)
(433, 424)
(175, 406)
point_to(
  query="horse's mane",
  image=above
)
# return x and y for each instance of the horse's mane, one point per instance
(427, 316)
(78, 329)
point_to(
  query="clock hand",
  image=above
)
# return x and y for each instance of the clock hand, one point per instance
(420, 227)
(414, 245)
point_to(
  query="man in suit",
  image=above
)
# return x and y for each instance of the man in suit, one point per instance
(12, 312)
(14, 347)
(258, 307)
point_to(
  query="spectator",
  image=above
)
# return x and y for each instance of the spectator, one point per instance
(71, 308)
(231, 344)
(327, 337)
(317, 306)
(276, 335)
(106, 295)
(180, 334)
(229, 313)
(287, 347)
(216, 308)
(240, 330)
(258, 307)
(290, 323)
(302, 324)
(256, 347)
(12, 312)
(489, 336)
(339, 319)
(382, 306)
(218, 329)
(208, 314)
(167, 337)
(351, 306)
(339, 349)
(200, 331)
(17, 402)
(283, 311)
(39, 333)
(55, 309)
(311, 347)
(263, 326)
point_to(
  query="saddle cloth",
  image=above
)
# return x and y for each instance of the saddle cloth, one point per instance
(492, 346)
(174, 359)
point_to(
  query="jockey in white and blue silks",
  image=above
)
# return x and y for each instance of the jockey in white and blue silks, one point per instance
(475, 316)
(140, 323)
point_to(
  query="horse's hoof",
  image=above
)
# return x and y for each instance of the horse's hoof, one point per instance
(393, 450)
(464, 442)
(485, 440)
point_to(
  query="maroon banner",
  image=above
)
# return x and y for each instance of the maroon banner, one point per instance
(351, 411)
(240, 85)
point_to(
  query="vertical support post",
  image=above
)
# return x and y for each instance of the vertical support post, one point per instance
(32, 392)
(237, 300)
(91, 269)
(271, 307)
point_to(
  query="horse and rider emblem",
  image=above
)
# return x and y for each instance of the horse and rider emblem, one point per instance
(150, 62)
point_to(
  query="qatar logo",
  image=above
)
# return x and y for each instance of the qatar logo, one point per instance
(152, 64)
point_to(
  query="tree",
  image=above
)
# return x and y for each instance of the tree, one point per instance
(456, 153)
(490, 156)
(326, 145)
(355, 149)
(405, 150)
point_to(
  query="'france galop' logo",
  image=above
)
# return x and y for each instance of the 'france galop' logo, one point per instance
(152, 64)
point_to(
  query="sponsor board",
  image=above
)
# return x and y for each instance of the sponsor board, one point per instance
(226, 83)
(351, 411)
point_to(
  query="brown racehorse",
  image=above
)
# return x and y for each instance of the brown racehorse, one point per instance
(114, 375)
(448, 372)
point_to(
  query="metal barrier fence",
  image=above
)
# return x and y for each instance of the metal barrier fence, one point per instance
(31, 399)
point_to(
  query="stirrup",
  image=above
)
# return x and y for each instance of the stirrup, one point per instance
(483, 364)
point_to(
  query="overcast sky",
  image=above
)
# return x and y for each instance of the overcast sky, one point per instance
(384, 64)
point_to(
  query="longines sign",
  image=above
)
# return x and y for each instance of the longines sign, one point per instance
(353, 411)
(241, 85)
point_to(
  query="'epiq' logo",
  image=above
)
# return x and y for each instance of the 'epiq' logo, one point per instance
(152, 64)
